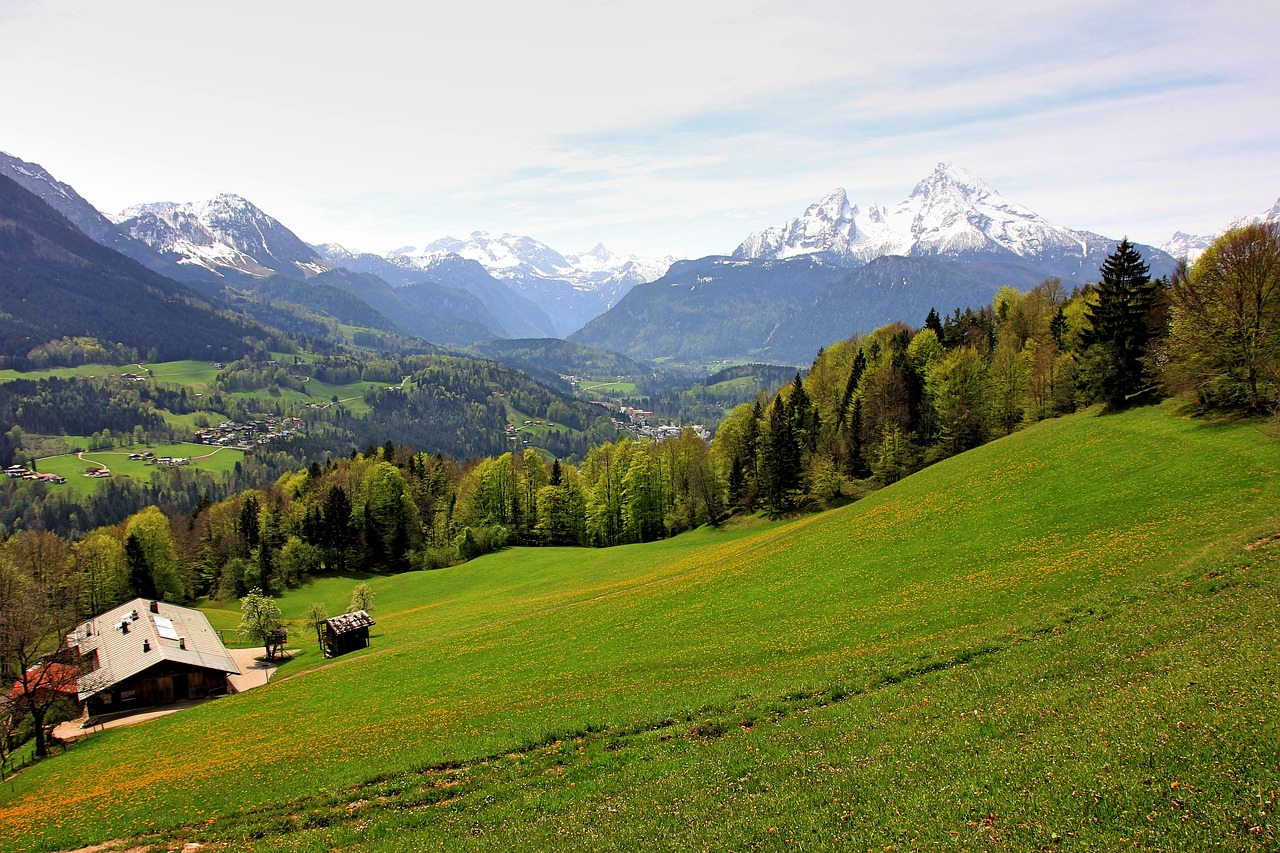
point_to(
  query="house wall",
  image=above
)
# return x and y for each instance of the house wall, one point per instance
(162, 684)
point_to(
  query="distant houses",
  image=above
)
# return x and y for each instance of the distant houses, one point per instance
(244, 436)
(17, 472)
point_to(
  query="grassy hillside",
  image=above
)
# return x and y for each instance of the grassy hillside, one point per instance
(1057, 639)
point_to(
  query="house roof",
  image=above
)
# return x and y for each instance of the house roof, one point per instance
(141, 633)
(55, 677)
(349, 622)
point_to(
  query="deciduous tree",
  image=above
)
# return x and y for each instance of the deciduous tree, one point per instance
(1225, 338)
(259, 619)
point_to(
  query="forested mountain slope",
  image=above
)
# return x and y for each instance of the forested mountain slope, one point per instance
(56, 282)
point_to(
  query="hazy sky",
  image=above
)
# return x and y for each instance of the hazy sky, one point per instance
(657, 127)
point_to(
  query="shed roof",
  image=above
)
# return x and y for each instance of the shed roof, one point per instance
(141, 633)
(349, 622)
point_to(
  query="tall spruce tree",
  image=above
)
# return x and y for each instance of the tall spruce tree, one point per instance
(1115, 340)
(780, 466)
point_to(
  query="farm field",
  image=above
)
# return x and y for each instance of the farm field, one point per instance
(1063, 638)
(199, 376)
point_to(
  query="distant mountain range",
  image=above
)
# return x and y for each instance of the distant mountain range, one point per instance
(841, 269)
(1191, 246)
(837, 269)
(572, 289)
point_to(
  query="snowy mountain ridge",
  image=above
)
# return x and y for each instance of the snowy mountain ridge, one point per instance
(950, 214)
(1192, 246)
(511, 256)
(227, 233)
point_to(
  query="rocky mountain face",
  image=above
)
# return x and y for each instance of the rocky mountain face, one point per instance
(951, 214)
(842, 269)
(783, 311)
(227, 235)
(509, 314)
(63, 198)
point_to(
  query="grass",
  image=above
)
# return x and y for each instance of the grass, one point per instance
(614, 389)
(1058, 639)
(72, 466)
(66, 372)
(199, 375)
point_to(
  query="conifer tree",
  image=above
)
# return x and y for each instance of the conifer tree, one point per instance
(780, 463)
(1115, 339)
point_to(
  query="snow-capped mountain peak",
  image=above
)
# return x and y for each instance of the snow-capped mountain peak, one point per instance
(224, 233)
(950, 213)
(518, 258)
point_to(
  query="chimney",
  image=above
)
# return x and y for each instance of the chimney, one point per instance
(146, 645)
(155, 607)
(124, 627)
(182, 642)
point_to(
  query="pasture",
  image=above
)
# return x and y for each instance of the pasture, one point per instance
(1065, 637)
(73, 465)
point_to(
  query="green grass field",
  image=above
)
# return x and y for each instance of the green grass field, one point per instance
(612, 389)
(72, 466)
(199, 375)
(65, 372)
(1064, 639)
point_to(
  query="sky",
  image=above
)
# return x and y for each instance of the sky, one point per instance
(656, 127)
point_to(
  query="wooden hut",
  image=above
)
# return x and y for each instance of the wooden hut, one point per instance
(344, 633)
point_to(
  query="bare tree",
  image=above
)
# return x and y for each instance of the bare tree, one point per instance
(37, 609)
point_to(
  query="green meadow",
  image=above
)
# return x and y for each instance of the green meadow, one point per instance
(613, 389)
(198, 376)
(1064, 639)
(10, 375)
(72, 466)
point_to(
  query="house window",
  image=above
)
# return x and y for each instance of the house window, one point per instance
(127, 695)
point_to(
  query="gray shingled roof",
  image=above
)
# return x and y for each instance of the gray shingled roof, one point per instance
(147, 642)
(350, 621)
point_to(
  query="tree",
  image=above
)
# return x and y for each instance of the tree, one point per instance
(1225, 337)
(336, 536)
(641, 507)
(259, 619)
(1114, 342)
(957, 386)
(103, 571)
(780, 459)
(361, 598)
(150, 528)
(390, 520)
(37, 609)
